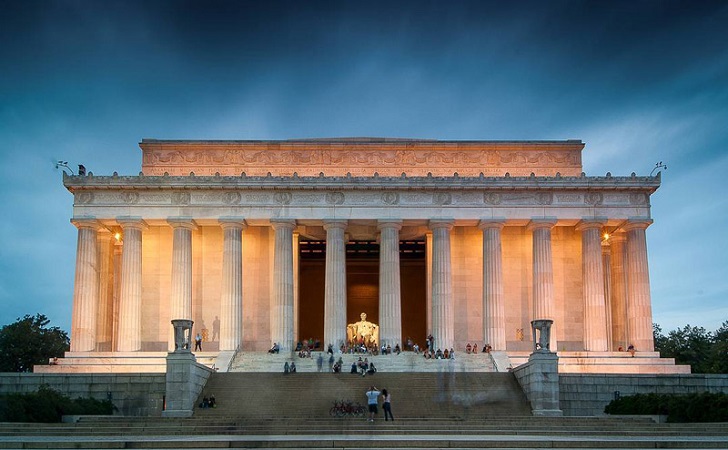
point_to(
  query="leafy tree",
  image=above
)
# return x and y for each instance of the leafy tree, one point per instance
(706, 352)
(30, 341)
(719, 351)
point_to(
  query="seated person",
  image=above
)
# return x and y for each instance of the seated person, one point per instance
(372, 370)
(286, 367)
(446, 354)
(275, 349)
(468, 348)
(213, 403)
(416, 348)
(397, 350)
(293, 367)
(438, 354)
(452, 353)
(299, 346)
(353, 368)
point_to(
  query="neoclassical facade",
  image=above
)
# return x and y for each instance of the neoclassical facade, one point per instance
(279, 241)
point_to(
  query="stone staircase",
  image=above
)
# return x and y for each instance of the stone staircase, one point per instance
(404, 362)
(421, 395)
(608, 362)
(347, 433)
(117, 362)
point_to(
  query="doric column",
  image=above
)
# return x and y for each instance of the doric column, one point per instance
(116, 302)
(390, 296)
(86, 287)
(595, 315)
(335, 284)
(130, 302)
(428, 281)
(296, 272)
(607, 266)
(543, 272)
(618, 289)
(181, 284)
(639, 303)
(442, 297)
(231, 298)
(105, 311)
(281, 315)
(494, 319)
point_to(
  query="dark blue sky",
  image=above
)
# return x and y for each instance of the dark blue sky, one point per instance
(639, 82)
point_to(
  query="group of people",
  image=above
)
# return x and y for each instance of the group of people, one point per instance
(289, 368)
(208, 402)
(363, 367)
(474, 348)
(373, 403)
(439, 354)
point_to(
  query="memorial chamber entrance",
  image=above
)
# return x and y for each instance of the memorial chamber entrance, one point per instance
(362, 287)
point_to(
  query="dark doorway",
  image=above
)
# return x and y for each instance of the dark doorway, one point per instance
(362, 279)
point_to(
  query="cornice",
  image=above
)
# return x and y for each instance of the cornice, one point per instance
(507, 183)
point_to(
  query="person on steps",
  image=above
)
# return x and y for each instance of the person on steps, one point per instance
(387, 405)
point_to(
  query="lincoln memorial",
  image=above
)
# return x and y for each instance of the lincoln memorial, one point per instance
(262, 242)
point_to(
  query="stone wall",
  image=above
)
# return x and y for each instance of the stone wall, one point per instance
(132, 394)
(587, 395)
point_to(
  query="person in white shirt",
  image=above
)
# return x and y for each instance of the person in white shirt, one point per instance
(372, 398)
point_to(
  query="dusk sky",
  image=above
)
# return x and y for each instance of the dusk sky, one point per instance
(638, 82)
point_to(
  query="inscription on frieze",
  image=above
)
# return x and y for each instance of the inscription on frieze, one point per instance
(638, 198)
(568, 198)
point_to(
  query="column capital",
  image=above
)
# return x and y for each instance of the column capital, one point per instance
(498, 223)
(543, 222)
(86, 222)
(335, 223)
(232, 222)
(591, 223)
(441, 223)
(104, 234)
(132, 222)
(182, 222)
(386, 223)
(637, 223)
(283, 224)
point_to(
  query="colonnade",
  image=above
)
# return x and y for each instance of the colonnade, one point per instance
(625, 313)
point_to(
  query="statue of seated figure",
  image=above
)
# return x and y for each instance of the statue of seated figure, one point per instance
(363, 331)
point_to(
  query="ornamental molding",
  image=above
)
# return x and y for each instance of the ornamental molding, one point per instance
(357, 198)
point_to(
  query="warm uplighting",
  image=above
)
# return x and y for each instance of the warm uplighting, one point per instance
(117, 236)
(606, 236)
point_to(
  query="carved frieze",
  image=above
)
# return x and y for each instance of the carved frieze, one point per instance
(390, 198)
(180, 198)
(492, 198)
(442, 198)
(84, 198)
(283, 198)
(335, 198)
(231, 197)
(361, 158)
(544, 198)
(594, 198)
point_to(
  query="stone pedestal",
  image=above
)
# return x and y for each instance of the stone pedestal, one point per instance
(185, 378)
(543, 392)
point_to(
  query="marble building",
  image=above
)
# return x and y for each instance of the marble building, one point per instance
(280, 241)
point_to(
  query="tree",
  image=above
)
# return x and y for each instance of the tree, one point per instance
(719, 352)
(30, 341)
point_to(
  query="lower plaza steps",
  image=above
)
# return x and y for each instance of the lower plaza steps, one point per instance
(319, 432)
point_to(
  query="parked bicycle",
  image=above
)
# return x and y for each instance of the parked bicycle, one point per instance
(347, 408)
